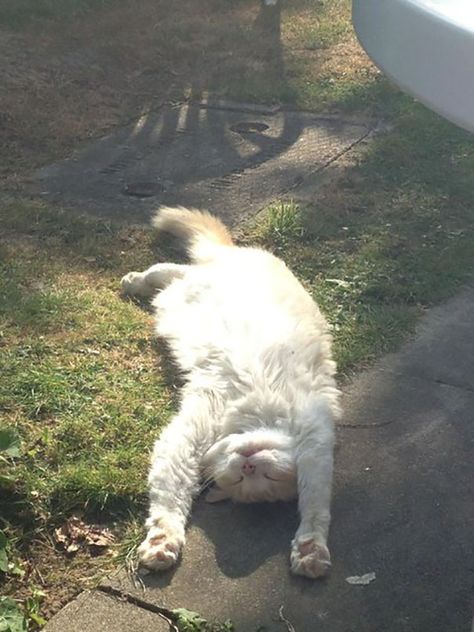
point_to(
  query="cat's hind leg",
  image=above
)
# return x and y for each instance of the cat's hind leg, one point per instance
(145, 284)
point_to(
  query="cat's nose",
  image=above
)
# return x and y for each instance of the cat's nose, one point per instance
(248, 468)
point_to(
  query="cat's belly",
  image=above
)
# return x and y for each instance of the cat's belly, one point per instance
(214, 315)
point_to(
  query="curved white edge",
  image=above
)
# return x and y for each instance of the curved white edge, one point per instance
(427, 56)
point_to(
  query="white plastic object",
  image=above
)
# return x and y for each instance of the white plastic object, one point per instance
(426, 47)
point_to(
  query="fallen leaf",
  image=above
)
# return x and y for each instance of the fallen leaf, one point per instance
(75, 533)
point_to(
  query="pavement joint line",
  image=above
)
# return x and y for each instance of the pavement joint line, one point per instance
(370, 132)
(121, 595)
(464, 387)
(429, 380)
(420, 378)
(364, 426)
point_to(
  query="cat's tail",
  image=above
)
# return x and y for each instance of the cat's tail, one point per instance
(204, 233)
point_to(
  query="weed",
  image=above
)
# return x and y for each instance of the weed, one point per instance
(283, 221)
(189, 621)
(11, 617)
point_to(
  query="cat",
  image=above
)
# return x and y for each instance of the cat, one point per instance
(259, 400)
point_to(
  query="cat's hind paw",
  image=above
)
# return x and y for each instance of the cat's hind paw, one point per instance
(309, 557)
(160, 549)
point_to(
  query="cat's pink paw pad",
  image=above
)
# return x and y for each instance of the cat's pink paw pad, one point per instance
(160, 549)
(309, 557)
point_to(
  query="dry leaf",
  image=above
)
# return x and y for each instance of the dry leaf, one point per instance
(75, 533)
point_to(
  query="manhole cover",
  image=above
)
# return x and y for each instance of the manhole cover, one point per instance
(143, 189)
(249, 127)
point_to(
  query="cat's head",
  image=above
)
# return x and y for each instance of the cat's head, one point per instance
(252, 466)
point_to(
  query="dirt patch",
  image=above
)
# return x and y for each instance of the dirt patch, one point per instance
(59, 578)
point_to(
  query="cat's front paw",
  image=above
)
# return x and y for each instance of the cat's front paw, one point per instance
(309, 557)
(161, 548)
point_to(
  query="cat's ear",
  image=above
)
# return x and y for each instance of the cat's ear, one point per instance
(215, 495)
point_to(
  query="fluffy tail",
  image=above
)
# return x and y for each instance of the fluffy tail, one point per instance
(204, 233)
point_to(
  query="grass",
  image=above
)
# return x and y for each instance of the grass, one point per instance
(80, 381)
(394, 236)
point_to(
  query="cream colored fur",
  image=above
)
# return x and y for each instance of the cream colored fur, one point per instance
(257, 410)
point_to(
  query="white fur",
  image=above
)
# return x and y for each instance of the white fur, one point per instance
(257, 409)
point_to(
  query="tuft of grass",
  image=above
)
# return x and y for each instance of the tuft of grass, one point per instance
(283, 221)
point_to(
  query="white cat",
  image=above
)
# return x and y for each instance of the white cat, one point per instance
(257, 409)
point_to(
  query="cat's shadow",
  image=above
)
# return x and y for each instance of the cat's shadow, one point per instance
(244, 536)
(236, 538)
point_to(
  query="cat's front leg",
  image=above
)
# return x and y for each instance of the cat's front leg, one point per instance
(174, 481)
(309, 552)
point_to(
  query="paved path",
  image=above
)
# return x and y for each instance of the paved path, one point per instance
(232, 159)
(402, 508)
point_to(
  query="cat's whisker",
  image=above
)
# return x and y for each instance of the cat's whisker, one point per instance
(205, 483)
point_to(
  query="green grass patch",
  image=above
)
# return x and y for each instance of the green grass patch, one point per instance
(308, 57)
(81, 385)
(391, 238)
(79, 379)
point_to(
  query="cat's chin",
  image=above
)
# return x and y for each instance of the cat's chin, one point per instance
(216, 495)
(248, 491)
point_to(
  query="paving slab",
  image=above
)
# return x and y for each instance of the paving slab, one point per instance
(402, 509)
(444, 348)
(230, 158)
(97, 612)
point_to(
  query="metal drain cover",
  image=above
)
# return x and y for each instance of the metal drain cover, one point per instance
(143, 189)
(230, 160)
(249, 127)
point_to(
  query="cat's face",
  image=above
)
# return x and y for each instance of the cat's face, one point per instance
(251, 467)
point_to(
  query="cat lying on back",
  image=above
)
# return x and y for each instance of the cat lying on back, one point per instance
(257, 409)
